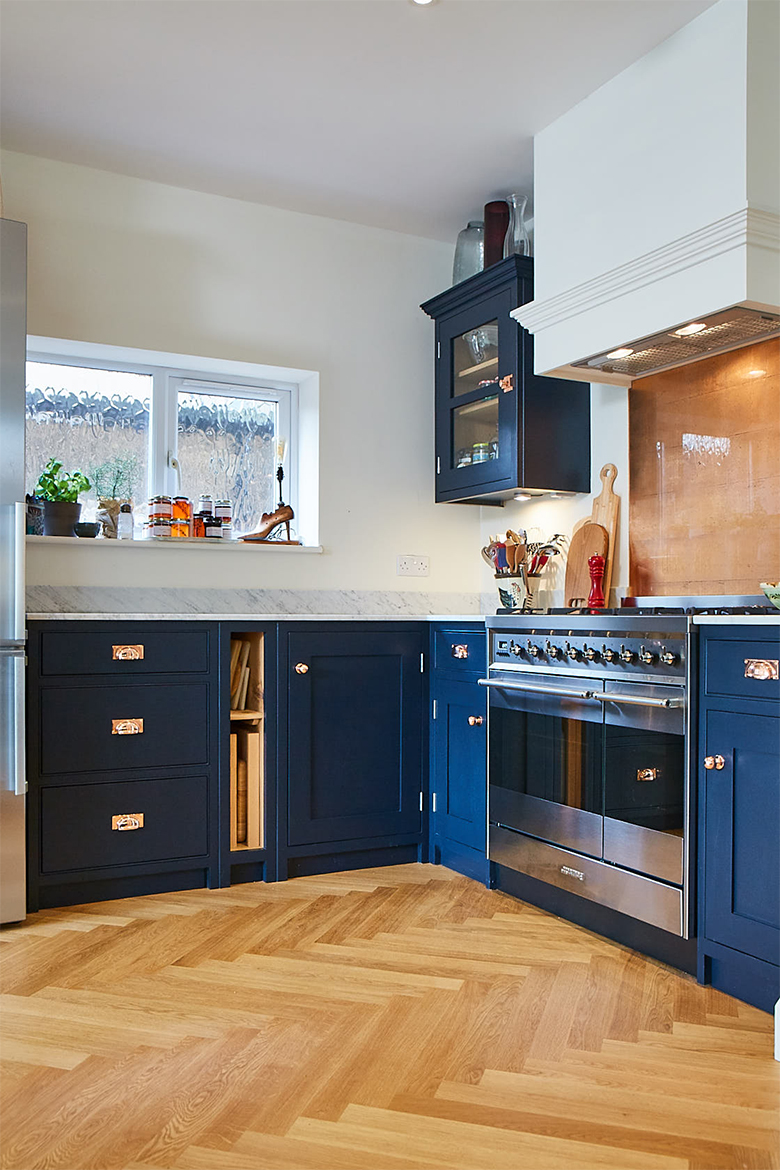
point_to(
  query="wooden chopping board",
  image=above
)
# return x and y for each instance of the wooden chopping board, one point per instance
(590, 540)
(606, 510)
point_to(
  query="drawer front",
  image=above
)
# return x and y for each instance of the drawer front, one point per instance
(744, 669)
(124, 652)
(101, 729)
(459, 650)
(76, 823)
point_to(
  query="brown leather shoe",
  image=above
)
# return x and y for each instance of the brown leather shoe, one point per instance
(270, 521)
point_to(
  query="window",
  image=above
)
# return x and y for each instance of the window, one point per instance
(138, 429)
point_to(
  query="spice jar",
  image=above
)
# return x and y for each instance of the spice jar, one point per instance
(182, 509)
(159, 526)
(206, 504)
(160, 506)
(213, 526)
(199, 524)
(180, 527)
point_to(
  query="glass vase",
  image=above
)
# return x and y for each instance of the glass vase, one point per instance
(517, 241)
(469, 251)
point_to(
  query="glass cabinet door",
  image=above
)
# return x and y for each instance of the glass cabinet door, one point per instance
(477, 395)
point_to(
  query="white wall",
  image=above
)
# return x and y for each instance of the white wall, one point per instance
(123, 261)
(542, 518)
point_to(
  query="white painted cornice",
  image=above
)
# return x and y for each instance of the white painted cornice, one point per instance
(749, 227)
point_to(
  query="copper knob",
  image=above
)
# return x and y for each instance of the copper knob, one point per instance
(301, 668)
(475, 720)
(716, 762)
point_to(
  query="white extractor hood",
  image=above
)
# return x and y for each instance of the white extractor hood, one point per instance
(657, 206)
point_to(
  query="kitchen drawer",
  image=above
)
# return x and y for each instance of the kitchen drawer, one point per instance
(125, 651)
(89, 729)
(460, 651)
(76, 823)
(726, 662)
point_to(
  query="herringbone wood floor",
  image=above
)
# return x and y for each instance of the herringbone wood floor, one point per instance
(392, 1018)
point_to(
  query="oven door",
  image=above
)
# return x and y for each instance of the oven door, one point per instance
(545, 758)
(645, 778)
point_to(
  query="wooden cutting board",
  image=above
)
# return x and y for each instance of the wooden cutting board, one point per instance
(606, 510)
(590, 540)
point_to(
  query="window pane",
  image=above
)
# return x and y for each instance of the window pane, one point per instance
(95, 421)
(227, 449)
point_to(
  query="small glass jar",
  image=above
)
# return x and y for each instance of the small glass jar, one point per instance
(479, 453)
(213, 526)
(182, 509)
(199, 525)
(224, 510)
(206, 505)
(160, 506)
(160, 526)
(180, 527)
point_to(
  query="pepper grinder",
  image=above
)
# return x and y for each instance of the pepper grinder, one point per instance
(596, 570)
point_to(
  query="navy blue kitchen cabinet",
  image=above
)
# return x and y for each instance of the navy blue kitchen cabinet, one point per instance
(122, 750)
(351, 755)
(500, 427)
(458, 779)
(739, 812)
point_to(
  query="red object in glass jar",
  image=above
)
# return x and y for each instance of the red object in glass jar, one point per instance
(596, 570)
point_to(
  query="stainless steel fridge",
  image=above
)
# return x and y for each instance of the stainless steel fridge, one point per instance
(13, 350)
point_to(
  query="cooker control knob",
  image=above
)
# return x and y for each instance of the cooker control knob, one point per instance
(608, 654)
(573, 653)
(625, 655)
(646, 656)
(534, 651)
(668, 658)
(554, 651)
(590, 653)
(515, 648)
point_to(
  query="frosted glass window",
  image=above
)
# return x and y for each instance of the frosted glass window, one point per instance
(227, 449)
(92, 420)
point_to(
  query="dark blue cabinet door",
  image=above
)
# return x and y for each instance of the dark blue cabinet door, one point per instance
(741, 834)
(355, 737)
(459, 763)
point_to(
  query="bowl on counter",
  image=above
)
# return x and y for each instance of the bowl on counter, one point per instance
(86, 528)
(772, 591)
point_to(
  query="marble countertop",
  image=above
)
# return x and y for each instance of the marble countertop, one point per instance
(733, 619)
(257, 617)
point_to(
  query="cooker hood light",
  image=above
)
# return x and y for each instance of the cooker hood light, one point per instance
(717, 333)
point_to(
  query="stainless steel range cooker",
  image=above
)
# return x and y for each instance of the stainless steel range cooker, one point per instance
(589, 775)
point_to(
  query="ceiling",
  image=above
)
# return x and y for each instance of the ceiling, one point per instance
(376, 111)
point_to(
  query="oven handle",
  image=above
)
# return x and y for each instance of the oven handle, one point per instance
(639, 702)
(536, 690)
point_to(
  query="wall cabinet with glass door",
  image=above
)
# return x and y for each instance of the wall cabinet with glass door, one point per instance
(499, 427)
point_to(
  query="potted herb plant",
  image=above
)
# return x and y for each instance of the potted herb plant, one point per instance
(60, 492)
(114, 482)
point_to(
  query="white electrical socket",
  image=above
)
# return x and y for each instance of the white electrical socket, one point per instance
(409, 566)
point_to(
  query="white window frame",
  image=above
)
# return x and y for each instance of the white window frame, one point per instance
(295, 391)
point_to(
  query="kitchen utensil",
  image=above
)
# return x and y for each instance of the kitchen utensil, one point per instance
(588, 541)
(606, 510)
(596, 570)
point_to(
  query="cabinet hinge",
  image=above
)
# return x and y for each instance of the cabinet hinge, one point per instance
(421, 802)
(422, 664)
(433, 802)
(435, 701)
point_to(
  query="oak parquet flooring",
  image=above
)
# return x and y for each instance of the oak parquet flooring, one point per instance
(384, 1019)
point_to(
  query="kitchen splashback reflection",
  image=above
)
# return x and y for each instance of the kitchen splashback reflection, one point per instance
(704, 462)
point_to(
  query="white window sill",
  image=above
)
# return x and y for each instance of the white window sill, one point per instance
(185, 542)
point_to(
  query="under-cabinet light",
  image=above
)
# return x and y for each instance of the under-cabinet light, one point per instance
(619, 353)
(689, 330)
(523, 497)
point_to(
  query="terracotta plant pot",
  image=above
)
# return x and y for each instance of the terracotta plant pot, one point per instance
(60, 517)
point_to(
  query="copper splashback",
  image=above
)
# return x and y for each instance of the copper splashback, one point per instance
(704, 469)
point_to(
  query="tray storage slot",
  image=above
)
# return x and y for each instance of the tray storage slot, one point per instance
(110, 728)
(86, 826)
(124, 652)
(247, 787)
